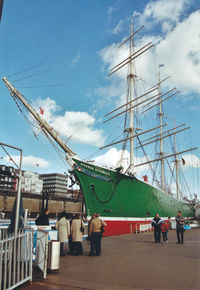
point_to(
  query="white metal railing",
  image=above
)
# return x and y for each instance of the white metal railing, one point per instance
(41, 251)
(137, 228)
(15, 259)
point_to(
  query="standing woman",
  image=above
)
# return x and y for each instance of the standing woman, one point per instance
(77, 230)
(63, 227)
(95, 234)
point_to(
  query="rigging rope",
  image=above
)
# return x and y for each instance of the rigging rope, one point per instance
(27, 69)
(48, 136)
(11, 159)
(42, 86)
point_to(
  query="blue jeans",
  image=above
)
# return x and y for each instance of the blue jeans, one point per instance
(164, 236)
(180, 236)
(95, 243)
(157, 235)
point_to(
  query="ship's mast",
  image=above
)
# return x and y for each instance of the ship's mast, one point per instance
(42, 123)
(160, 115)
(131, 113)
(177, 167)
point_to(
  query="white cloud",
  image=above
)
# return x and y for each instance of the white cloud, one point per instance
(178, 49)
(117, 28)
(112, 157)
(180, 53)
(191, 160)
(79, 126)
(166, 13)
(117, 86)
(76, 59)
(31, 161)
(112, 9)
(194, 108)
(112, 55)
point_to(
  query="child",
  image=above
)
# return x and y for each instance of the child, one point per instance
(164, 230)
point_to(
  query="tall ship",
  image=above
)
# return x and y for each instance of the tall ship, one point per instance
(117, 194)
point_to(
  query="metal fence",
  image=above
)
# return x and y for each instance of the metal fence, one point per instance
(15, 258)
(137, 228)
(40, 251)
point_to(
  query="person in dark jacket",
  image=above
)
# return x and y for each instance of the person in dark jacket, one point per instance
(71, 244)
(43, 219)
(180, 222)
(156, 223)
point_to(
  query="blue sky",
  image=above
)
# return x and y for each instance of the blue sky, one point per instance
(58, 54)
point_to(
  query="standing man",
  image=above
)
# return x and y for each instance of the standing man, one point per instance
(95, 234)
(180, 222)
(156, 223)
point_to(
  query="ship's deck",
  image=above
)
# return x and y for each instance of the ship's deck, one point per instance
(131, 262)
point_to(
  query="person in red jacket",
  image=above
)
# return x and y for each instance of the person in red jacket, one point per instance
(164, 230)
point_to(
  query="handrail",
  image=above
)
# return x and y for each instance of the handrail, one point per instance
(16, 259)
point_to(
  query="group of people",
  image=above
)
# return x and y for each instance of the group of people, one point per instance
(71, 229)
(162, 226)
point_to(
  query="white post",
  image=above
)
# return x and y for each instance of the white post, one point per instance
(25, 216)
(18, 194)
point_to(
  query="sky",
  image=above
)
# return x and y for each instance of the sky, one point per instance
(58, 54)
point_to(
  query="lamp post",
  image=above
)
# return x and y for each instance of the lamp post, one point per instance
(19, 185)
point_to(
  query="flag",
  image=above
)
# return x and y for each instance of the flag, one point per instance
(183, 161)
(161, 65)
(41, 111)
(145, 178)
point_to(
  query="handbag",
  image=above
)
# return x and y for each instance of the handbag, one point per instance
(82, 229)
(102, 228)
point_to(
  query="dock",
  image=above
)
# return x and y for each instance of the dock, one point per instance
(130, 262)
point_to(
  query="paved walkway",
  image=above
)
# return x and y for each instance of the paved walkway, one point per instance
(131, 262)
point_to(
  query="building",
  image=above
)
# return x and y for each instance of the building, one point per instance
(31, 182)
(55, 184)
(7, 178)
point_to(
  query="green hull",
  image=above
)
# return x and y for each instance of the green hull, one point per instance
(113, 194)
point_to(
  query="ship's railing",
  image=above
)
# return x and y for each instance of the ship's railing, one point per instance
(15, 258)
(136, 228)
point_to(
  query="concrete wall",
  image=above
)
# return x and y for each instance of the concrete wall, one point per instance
(35, 205)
